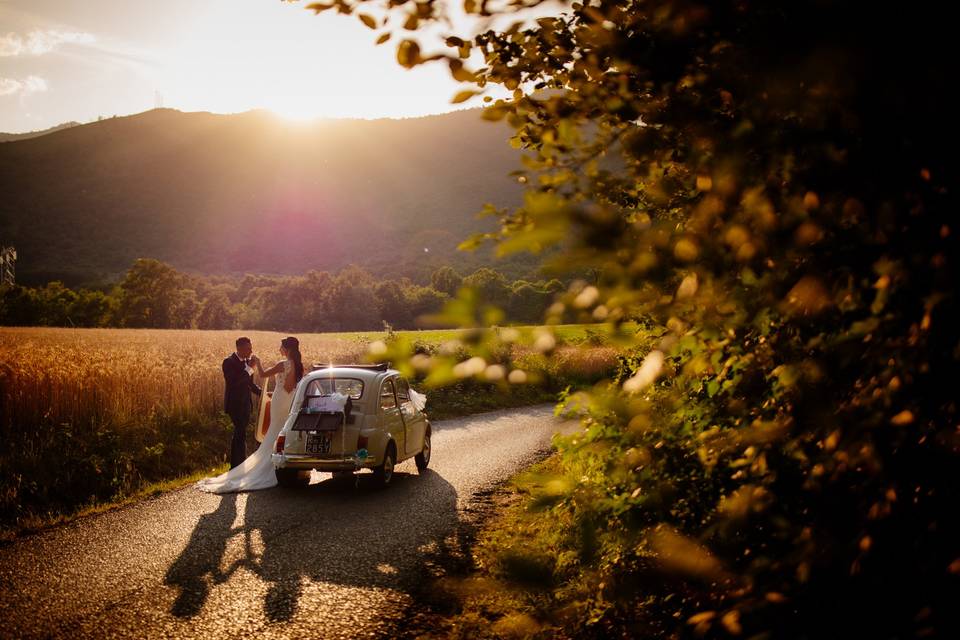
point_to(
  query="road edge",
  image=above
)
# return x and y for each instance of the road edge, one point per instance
(431, 614)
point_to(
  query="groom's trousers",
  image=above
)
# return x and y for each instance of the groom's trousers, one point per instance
(238, 447)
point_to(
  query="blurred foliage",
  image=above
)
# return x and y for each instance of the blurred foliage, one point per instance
(769, 183)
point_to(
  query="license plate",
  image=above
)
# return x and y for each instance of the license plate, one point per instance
(318, 442)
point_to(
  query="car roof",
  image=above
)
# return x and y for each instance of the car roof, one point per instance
(364, 373)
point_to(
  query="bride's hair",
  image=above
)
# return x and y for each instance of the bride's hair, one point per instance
(292, 345)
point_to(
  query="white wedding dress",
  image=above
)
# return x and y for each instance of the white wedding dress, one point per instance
(256, 472)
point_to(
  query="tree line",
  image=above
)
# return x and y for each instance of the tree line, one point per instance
(155, 295)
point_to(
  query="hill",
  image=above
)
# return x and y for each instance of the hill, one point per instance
(11, 137)
(252, 193)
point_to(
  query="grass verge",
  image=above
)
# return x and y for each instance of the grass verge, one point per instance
(497, 578)
(36, 522)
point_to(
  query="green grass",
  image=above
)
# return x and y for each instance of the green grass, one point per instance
(504, 587)
(35, 522)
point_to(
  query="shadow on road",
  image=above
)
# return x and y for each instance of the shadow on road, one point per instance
(331, 532)
(201, 557)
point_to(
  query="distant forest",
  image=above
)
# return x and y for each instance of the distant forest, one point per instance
(153, 294)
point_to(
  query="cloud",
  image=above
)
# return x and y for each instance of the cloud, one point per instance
(9, 86)
(25, 87)
(34, 84)
(39, 42)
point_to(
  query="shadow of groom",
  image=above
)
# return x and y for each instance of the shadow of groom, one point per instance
(201, 557)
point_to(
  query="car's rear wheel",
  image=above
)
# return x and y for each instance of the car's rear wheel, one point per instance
(423, 458)
(290, 478)
(383, 473)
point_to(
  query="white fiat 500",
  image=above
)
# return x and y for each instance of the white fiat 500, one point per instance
(351, 417)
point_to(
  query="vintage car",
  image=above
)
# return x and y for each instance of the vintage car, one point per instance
(350, 417)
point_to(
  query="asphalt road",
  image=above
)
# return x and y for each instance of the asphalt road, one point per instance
(325, 561)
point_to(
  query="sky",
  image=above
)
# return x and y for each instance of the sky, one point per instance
(77, 60)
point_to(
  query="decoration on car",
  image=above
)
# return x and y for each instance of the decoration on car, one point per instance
(418, 399)
(327, 404)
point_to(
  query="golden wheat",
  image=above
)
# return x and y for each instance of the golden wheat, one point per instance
(88, 376)
(117, 376)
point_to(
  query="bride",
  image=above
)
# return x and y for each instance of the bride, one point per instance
(256, 472)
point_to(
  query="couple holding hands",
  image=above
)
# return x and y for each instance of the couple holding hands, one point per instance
(255, 472)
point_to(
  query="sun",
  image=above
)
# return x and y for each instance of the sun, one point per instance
(277, 57)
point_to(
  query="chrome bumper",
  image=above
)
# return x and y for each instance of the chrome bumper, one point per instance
(333, 463)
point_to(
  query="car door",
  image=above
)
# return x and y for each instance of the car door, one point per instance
(415, 420)
(391, 419)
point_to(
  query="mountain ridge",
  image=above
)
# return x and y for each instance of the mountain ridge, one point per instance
(26, 135)
(249, 192)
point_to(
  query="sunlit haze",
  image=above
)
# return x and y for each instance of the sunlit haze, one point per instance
(76, 61)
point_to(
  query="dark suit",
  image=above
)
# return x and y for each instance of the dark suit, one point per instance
(238, 404)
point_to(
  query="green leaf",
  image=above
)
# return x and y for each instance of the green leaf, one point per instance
(408, 54)
(534, 240)
(320, 7)
(459, 73)
(543, 205)
(473, 242)
(495, 113)
(463, 96)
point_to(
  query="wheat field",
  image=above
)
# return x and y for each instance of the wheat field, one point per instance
(80, 376)
(90, 415)
(120, 376)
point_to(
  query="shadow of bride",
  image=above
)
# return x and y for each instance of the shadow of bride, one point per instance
(201, 557)
(336, 532)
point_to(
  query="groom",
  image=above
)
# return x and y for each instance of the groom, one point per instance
(238, 376)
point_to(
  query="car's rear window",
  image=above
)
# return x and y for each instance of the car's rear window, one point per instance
(351, 387)
(403, 391)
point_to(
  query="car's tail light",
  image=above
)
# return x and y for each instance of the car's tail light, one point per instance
(280, 440)
(361, 442)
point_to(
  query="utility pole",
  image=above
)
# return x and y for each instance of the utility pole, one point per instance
(8, 261)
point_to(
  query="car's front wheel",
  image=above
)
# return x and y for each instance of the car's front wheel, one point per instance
(290, 478)
(423, 458)
(383, 473)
